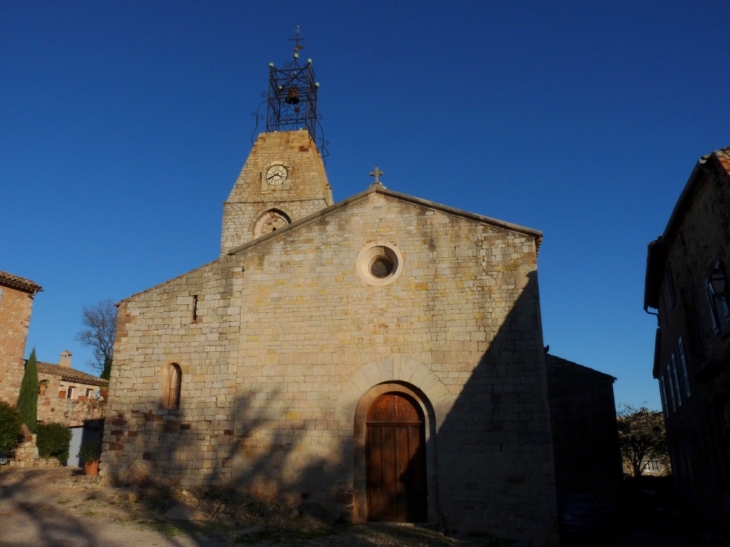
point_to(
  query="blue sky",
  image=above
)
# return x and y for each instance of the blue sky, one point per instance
(123, 126)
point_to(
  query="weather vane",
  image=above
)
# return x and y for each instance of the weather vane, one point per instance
(297, 46)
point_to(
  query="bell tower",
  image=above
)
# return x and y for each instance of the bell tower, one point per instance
(283, 179)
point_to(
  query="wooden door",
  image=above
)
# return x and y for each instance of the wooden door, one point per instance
(396, 460)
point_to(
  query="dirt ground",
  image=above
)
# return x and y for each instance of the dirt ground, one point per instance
(63, 507)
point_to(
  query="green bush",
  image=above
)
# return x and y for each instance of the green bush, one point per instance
(90, 451)
(10, 428)
(53, 441)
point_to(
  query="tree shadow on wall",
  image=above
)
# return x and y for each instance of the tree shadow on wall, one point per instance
(493, 446)
(258, 475)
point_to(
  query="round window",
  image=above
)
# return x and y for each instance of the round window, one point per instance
(379, 264)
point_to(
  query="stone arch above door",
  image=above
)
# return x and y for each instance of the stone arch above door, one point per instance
(393, 368)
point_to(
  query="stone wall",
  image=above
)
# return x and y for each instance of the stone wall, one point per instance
(15, 310)
(289, 338)
(26, 454)
(71, 412)
(190, 445)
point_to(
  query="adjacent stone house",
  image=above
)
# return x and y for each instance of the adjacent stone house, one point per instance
(67, 395)
(686, 283)
(16, 305)
(585, 434)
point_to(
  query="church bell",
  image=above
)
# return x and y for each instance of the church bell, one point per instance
(293, 96)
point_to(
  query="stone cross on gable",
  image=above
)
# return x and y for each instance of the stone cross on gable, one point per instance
(376, 173)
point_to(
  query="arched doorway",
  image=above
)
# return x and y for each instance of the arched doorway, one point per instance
(395, 452)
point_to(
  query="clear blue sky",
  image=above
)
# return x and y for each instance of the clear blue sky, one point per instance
(123, 126)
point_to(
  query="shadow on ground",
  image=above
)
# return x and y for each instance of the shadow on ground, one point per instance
(62, 507)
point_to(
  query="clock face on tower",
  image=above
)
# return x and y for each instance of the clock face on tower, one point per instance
(276, 175)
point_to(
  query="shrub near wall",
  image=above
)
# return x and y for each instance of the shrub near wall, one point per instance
(10, 428)
(53, 441)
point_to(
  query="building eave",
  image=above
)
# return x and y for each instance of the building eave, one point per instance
(70, 374)
(716, 164)
(20, 283)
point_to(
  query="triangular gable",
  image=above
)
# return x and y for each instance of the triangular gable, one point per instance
(379, 189)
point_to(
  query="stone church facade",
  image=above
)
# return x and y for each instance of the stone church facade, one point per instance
(376, 359)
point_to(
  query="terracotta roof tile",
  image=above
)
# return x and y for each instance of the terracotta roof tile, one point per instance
(71, 375)
(723, 156)
(17, 282)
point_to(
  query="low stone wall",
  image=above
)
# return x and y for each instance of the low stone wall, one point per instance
(26, 454)
(71, 412)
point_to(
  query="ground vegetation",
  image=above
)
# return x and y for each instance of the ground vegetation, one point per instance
(642, 438)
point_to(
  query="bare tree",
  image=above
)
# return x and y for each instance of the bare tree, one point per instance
(642, 437)
(100, 321)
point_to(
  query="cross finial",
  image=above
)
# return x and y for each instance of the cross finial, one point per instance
(376, 173)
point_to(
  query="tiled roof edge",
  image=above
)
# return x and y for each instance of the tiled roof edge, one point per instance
(20, 283)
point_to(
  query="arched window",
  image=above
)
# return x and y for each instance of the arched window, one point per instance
(270, 221)
(171, 383)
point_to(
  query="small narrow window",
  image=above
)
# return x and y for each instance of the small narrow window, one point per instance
(70, 392)
(715, 288)
(195, 308)
(713, 308)
(670, 286)
(671, 389)
(683, 366)
(171, 384)
(675, 378)
(692, 323)
(89, 392)
(663, 395)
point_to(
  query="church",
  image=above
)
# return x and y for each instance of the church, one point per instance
(376, 359)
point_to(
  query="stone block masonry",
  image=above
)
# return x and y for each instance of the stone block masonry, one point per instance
(16, 304)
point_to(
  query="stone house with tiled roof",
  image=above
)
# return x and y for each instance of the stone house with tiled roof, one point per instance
(16, 305)
(687, 284)
(67, 395)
